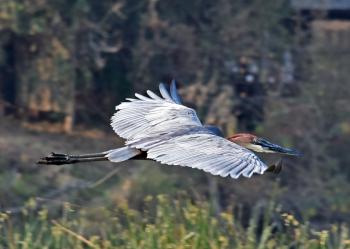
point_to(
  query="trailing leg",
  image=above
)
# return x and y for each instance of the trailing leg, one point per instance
(115, 155)
(60, 159)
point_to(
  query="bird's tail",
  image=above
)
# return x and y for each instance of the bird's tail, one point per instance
(115, 155)
(122, 154)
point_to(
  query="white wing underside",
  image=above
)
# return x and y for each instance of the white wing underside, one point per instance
(172, 134)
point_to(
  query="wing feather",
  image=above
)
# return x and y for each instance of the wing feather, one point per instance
(173, 92)
(225, 158)
(164, 92)
(141, 97)
(153, 95)
(172, 134)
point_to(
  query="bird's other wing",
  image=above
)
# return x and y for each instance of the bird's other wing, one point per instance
(148, 116)
(173, 92)
(199, 148)
(214, 129)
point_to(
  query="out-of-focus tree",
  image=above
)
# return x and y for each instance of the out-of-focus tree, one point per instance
(195, 42)
(40, 46)
(81, 58)
(55, 48)
(317, 121)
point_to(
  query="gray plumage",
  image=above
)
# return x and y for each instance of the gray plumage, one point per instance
(171, 133)
(122, 154)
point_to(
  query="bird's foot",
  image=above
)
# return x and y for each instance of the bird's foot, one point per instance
(276, 167)
(56, 159)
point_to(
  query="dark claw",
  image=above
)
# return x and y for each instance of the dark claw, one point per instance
(59, 155)
(276, 168)
(56, 159)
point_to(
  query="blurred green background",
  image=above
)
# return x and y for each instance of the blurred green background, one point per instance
(278, 69)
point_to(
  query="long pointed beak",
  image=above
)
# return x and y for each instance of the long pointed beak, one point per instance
(270, 147)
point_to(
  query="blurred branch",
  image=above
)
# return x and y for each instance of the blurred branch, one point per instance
(74, 234)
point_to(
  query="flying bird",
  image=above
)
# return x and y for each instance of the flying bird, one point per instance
(162, 129)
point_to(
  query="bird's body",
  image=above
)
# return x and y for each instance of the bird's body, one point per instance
(164, 130)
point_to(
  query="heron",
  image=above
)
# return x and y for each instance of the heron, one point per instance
(161, 128)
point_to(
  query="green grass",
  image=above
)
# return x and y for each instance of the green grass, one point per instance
(164, 223)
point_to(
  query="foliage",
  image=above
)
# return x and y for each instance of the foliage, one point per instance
(88, 55)
(163, 223)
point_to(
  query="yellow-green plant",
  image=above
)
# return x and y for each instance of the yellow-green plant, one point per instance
(163, 223)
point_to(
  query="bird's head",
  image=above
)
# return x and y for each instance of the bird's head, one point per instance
(258, 144)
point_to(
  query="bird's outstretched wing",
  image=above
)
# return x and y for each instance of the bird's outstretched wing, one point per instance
(172, 134)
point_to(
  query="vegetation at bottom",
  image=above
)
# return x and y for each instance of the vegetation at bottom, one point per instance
(163, 222)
